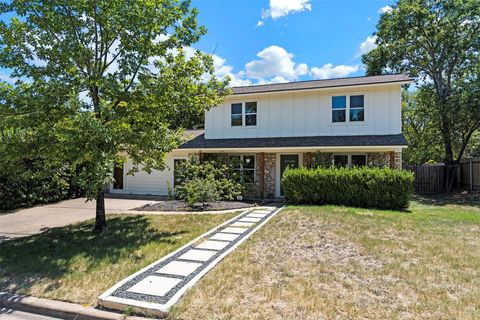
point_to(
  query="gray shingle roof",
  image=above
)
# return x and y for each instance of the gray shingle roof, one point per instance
(199, 142)
(318, 84)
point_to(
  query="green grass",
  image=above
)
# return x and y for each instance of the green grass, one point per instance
(333, 262)
(73, 264)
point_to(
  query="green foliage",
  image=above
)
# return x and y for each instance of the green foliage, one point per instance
(367, 187)
(420, 129)
(100, 80)
(221, 177)
(200, 191)
(34, 181)
(437, 43)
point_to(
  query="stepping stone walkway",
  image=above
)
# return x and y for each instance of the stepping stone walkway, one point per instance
(154, 289)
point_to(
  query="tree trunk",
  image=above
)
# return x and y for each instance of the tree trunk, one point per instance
(450, 167)
(100, 220)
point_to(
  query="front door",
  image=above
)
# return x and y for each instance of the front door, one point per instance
(287, 161)
(118, 177)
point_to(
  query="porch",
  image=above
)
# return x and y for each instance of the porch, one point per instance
(264, 168)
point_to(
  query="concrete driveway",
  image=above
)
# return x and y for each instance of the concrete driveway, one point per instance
(26, 222)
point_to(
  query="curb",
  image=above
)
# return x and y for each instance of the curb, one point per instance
(58, 309)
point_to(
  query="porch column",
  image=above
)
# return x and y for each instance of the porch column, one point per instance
(261, 168)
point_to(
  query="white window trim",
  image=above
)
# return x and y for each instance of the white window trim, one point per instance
(241, 163)
(349, 155)
(347, 108)
(244, 114)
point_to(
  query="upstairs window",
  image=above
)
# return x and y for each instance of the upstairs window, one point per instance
(353, 106)
(237, 119)
(339, 108)
(357, 108)
(250, 113)
(243, 114)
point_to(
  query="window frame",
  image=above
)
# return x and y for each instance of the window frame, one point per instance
(242, 169)
(244, 114)
(349, 155)
(347, 108)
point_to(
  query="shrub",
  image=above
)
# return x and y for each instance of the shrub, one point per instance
(34, 181)
(366, 187)
(220, 178)
(200, 191)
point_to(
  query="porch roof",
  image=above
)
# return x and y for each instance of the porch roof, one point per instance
(199, 142)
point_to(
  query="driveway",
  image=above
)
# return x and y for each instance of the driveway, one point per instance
(26, 222)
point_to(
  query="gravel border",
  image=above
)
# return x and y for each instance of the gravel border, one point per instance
(122, 292)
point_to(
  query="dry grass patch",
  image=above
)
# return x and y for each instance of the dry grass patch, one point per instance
(73, 264)
(343, 263)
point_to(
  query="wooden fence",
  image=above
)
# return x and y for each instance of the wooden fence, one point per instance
(468, 174)
(429, 178)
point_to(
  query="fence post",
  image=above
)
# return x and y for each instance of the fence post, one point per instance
(471, 176)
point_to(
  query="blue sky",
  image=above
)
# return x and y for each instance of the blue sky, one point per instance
(266, 41)
(287, 40)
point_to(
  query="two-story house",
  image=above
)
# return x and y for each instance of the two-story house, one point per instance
(265, 128)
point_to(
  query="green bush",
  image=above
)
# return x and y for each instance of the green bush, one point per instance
(221, 178)
(200, 191)
(366, 187)
(34, 181)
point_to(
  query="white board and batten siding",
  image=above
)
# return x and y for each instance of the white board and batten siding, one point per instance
(144, 183)
(309, 113)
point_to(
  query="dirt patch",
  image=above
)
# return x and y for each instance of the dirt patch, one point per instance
(182, 206)
(313, 242)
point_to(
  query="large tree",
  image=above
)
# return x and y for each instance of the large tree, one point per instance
(436, 42)
(98, 81)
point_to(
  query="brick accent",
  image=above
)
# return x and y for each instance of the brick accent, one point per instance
(270, 174)
(378, 159)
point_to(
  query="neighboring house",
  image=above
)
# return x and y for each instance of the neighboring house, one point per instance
(349, 121)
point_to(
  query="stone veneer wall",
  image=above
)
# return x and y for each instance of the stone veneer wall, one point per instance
(268, 175)
(397, 160)
(378, 159)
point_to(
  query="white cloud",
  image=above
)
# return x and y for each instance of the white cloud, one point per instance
(276, 65)
(368, 45)
(275, 61)
(329, 71)
(7, 78)
(386, 9)
(282, 8)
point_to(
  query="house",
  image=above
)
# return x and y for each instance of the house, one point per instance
(347, 122)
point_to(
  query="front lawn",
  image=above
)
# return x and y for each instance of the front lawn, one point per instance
(333, 262)
(72, 264)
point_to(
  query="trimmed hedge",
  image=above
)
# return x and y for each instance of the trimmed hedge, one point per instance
(366, 187)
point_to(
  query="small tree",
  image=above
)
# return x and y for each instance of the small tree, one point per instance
(100, 80)
(437, 43)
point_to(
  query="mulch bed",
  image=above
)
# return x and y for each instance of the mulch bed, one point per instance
(179, 205)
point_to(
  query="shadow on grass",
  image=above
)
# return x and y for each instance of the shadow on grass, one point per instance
(457, 198)
(55, 252)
